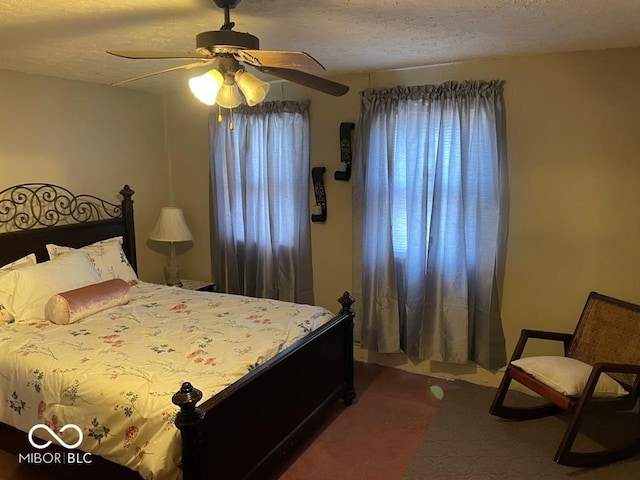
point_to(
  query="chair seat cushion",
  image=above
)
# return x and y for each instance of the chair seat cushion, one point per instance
(568, 376)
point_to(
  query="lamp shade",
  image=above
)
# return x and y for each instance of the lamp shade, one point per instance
(229, 96)
(171, 226)
(254, 89)
(205, 87)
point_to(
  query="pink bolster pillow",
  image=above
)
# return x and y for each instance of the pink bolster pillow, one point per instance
(73, 305)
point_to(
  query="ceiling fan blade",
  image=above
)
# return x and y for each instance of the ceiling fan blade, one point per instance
(142, 55)
(280, 59)
(317, 83)
(166, 70)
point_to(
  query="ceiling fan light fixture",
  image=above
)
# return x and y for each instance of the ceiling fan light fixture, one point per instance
(253, 89)
(229, 96)
(232, 49)
(206, 87)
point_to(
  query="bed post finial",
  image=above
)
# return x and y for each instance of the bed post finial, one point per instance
(126, 192)
(187, 398)
(130, 236)
(187, 421)
(346, 300)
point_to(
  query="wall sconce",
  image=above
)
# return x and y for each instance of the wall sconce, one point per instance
(319, 210)
(344, 167)
(171, 228)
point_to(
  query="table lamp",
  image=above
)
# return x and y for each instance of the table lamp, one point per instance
(171, 228)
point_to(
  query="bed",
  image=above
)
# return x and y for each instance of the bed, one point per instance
(244, 429)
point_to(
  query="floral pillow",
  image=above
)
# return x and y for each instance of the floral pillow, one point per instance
(107, 257)
(7, 286)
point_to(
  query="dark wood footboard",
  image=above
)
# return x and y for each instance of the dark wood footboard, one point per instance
(248, 428)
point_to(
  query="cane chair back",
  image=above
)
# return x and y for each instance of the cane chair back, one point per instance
(608, 332)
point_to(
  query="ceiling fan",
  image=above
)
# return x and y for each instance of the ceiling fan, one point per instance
(230, 49)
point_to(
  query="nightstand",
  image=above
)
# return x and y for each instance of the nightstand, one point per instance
(200, 285)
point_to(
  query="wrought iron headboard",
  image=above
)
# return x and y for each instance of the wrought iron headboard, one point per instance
(35, 205)
(33, 214)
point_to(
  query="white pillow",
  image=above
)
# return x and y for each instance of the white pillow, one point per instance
(21, 262)
(35, 284)
(6, 287)
(568, 376)
(107, 257)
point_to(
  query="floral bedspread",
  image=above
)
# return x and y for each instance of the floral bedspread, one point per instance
(113, 374)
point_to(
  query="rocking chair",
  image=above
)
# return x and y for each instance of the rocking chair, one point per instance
(600, 368)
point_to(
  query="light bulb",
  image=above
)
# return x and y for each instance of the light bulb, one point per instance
(229, 96)
(254, 89)
(205, 87)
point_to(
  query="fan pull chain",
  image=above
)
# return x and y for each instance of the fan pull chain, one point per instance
(220, 118)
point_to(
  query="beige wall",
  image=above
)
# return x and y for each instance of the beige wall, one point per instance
(573, 158)
(90, 139)
(188, 147)
(574, 164)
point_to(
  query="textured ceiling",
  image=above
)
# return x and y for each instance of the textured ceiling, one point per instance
(68, 38)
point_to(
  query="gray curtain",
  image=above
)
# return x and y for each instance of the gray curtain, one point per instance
(260, 234)
(430, 219)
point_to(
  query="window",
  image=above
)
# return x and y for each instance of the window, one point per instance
(430, 202)
(261, 242)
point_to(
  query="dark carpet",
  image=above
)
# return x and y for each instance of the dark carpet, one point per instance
(465, 442)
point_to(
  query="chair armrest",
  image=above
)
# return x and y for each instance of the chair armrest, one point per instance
(600, 368)
(616, 368)
(547, 335)
(526, 334)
